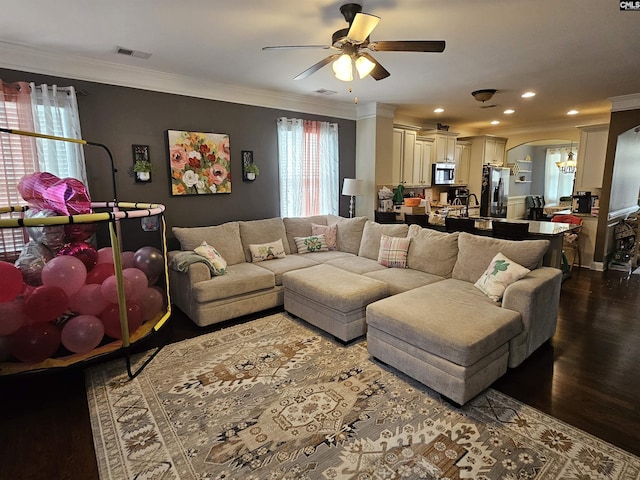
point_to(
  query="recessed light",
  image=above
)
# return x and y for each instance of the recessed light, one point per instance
(495, 122)
(528, 94)
(509, 111)
(438, 110)
(573, 112)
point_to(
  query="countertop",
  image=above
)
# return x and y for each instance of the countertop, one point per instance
(536, 227)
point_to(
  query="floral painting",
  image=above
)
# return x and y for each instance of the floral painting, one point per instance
(200, 163)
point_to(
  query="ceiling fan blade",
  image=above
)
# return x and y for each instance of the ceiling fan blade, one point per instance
(289, 47)
(362, 26)
(314, 68)
(378, 72)
(436, 46)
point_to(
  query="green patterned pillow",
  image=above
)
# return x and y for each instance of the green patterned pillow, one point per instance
(500, 273)
(314, 243)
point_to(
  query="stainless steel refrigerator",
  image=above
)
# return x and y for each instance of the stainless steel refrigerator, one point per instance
(495, 191)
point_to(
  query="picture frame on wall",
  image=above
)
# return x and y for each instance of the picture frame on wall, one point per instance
(199, 163)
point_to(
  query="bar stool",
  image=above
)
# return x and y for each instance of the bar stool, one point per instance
(421, 220)
(457, 224)
(510, 230)
(385, 217)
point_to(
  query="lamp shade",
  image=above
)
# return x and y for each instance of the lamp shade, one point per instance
(352, 187)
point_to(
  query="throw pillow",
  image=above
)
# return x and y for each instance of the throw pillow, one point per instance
(330, 233)
(213, 257)
(267, 251)
(314, 243)
(393, 251)
(500, 273)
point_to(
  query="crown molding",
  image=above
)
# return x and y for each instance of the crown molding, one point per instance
(19, 57)
(549, 126)
(625, 102)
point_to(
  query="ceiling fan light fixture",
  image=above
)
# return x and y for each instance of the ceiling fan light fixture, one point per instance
(364, 66)
(484, 94)
(343, 69)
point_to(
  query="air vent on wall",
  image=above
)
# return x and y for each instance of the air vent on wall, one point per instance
(132, 53)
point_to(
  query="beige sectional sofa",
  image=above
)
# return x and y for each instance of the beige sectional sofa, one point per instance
(427, 320)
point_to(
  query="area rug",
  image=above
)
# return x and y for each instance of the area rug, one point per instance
(277, 399)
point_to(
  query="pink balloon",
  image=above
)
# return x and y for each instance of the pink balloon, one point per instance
(150, 260)
(11, 283)
(83, 251)
(105, 255)
(111, 319)
(138, 282)
(35, 343)
(151, 302)
(78, 232)
(88, 300)
(127, 260)
(100, 273)
(45, 303)
(82, 334)
(12, 317)
(66, 272)
(109, 289)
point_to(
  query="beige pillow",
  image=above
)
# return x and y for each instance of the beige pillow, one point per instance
(267, 251)
(225, 237)
(432, 251)
(475, 252)
(330, 233)
(262, 231)
(349, 232)
(313, 243)
(373, 231)
(500, 273)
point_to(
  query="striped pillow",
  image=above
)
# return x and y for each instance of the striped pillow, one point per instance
(393, 251)
(314, 243)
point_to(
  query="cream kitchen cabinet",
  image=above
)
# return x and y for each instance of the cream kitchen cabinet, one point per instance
(462, 159)
(422, 161)
(591, 156)
(444, 145)
(404, 146)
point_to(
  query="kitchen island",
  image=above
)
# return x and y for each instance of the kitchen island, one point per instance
(552, 231)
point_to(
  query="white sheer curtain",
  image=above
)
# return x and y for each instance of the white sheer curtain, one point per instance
(55, 112)
(556, 183)
(308, 157)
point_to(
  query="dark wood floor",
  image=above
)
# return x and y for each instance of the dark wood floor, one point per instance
(588, 375)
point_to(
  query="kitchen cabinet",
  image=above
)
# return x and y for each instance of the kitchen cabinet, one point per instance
(422, 162)
(485, 149)
(462, 159)
(404, 145)
(444, 145)
(591, 156)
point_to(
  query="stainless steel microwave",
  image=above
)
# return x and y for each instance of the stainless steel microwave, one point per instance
(444, 174)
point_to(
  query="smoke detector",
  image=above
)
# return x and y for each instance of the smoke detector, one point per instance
(484, 94)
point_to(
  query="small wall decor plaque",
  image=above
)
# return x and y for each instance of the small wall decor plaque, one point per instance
(142, 166)
(199, 163)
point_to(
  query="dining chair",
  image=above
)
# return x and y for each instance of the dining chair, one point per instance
(460, 224)
(385, 217)
(510, 230)
(570, 240)
(421, 220)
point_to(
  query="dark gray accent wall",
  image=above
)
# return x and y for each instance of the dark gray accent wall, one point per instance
(120, 117)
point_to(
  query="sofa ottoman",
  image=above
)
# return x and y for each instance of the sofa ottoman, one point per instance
(332, 299)
(457, 348)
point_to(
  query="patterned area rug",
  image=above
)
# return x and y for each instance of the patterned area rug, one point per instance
(277, 399)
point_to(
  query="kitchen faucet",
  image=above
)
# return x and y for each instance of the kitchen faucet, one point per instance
(468, 198)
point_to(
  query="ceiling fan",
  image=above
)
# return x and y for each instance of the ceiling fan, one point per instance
(351, 41)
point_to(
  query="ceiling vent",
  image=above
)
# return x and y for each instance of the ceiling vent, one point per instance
(490, 106)
(324, 91)
(132, 53)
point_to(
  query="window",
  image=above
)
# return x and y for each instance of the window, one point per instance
(309, 167)
(556, 183)
(43, 109)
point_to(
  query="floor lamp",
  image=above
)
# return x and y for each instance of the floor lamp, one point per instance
(352, 187)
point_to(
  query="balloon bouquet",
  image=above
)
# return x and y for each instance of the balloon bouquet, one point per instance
(62, 290)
